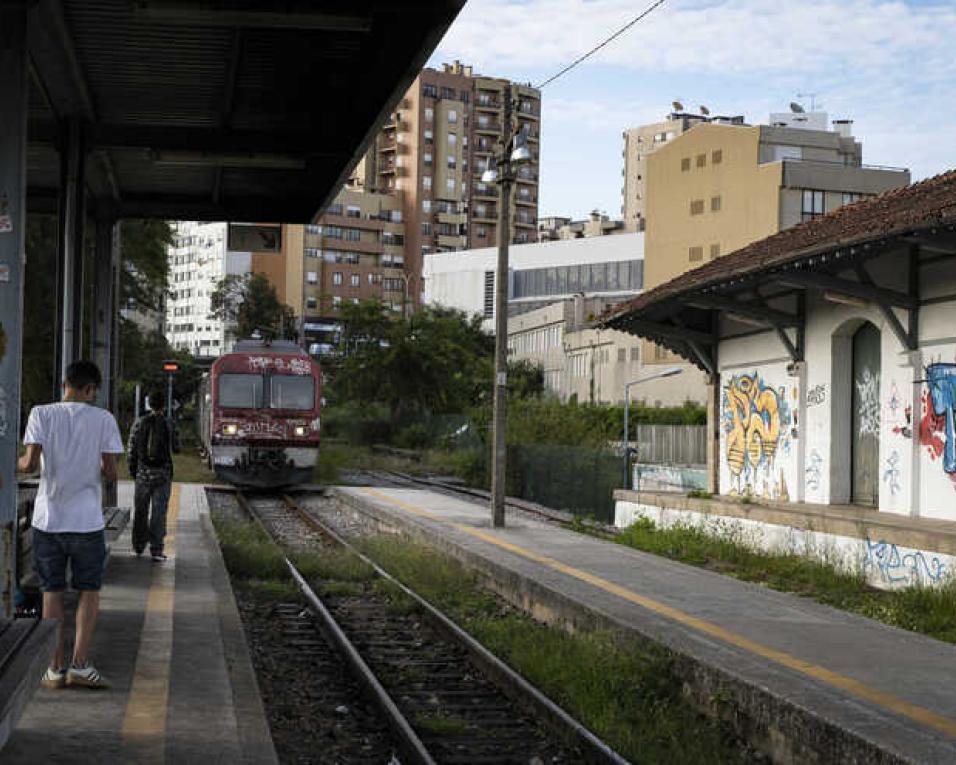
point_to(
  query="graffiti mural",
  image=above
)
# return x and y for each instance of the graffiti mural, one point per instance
(896, 568)
(757, 424)
(868, 396)
(892, 475)
(937, 430)
(817, 395)
(814, 471)
(898, 416)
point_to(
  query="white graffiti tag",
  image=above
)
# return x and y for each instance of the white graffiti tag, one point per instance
(868, 403)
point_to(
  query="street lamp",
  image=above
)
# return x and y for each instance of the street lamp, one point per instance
(627, 393)
(502, 171)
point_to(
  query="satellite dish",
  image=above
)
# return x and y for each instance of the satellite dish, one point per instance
(678, 106)
(704, 110)
(796, 108)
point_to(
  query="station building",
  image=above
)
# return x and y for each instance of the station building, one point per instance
(831, 354)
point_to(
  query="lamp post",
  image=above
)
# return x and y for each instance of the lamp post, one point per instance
(627, 401)
(501, 171)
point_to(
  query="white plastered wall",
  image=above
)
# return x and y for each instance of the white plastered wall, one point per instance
(813, 454)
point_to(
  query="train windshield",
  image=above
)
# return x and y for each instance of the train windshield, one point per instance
(238, 391)
(292, 392)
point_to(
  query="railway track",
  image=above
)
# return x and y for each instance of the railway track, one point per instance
(446, 698)
(540, 512)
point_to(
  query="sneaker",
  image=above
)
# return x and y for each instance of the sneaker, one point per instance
(86, 677)
(159, 557)
(53, 678)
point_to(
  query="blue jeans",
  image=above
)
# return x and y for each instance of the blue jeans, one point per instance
(86, 553)
(150, 527)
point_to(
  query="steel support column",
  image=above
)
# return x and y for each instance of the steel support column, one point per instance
(104, 304)
(70, 229)
(13, 191)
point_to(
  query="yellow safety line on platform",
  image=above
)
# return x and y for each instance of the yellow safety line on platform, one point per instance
(880, 698)
(144, 724)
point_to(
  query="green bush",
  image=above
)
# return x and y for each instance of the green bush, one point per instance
(414, 436)
(357, 423)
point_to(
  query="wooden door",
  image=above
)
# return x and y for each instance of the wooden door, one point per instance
(865, 436)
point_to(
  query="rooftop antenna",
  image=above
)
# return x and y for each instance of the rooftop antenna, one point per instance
(813, 100)
(796, 108)
(704, 110)
(678, 106)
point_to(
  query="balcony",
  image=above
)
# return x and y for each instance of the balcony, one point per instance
(447, 240)
(484, 192)
(529, 200)
(388, 146)
(484, 215)
(488, 104)
(491, 127)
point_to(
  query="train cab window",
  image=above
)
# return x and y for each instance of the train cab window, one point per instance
(292, 392)
(239, 391)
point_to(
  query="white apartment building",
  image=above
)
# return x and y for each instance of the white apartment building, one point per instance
(198, 259)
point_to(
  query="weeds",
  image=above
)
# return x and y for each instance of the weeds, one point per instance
(625, 692)
(930, 611)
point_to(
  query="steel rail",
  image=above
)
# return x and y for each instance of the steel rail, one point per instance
(510, 682)
(408, 741)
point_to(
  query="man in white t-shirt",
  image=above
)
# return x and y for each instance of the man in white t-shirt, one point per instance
(76, 445)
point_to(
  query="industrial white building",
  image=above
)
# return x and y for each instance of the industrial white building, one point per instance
(611, 267)
(556, 292)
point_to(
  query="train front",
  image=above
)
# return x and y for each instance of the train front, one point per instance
(265, 411)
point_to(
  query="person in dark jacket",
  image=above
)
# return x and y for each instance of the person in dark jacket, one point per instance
(152, 442)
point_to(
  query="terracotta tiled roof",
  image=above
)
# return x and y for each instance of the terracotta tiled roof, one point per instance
(916, 207)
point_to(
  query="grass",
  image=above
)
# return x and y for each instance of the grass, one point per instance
(441, 726)
(338, 457)
(624, 692)
(930, 611)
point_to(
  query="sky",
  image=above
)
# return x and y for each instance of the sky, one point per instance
(889, 66)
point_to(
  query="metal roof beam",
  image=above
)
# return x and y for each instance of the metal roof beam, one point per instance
(830, 283)
(187, 13)
(207, 140)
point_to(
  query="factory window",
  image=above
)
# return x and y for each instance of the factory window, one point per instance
(696, 206)
(716, 156)
(684, 164)
(337, 278)
(701, 160)
(715, 204)
(813, 205)
(714, 251)
(695, 254)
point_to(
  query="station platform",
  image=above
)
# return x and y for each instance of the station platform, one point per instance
(170, 640)
(817, 684)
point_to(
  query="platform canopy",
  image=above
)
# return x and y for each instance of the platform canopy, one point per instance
(218, 109)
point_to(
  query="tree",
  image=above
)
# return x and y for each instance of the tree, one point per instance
(434, 362)
(249, 302)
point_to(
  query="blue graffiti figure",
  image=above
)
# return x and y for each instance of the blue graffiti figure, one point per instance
(942, 387)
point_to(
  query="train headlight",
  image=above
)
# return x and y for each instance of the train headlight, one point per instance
(301, 430)
(230, 429)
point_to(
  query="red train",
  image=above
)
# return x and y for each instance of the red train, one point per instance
(259, 410)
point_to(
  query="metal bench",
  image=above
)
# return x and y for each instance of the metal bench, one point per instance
(25, 649)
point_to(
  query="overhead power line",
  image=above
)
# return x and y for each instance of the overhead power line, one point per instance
(598, 47)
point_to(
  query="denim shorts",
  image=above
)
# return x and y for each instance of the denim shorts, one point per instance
(85, 552)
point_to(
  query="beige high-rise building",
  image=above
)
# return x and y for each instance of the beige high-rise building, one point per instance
(718, 187)
(433, 151)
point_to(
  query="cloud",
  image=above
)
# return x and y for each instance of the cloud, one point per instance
(745, 36)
